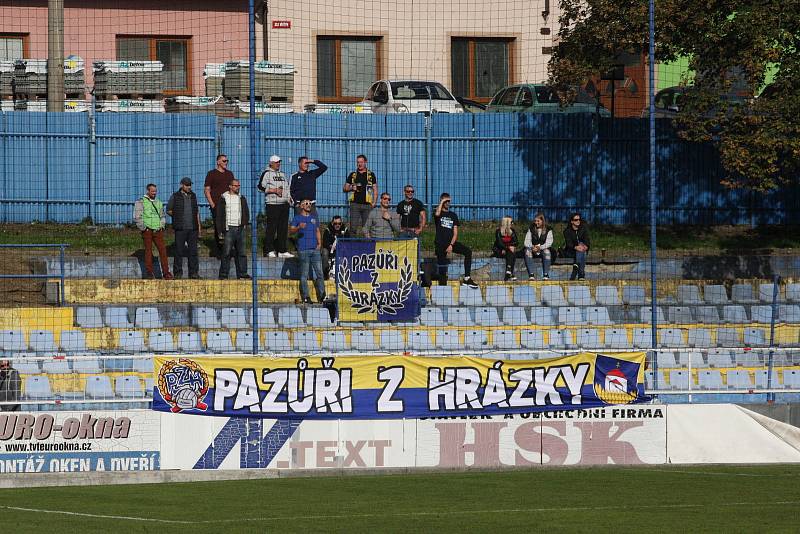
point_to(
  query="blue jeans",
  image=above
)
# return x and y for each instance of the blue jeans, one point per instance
(578, 263)
(313, 259)
(233, 245)
(544, 255)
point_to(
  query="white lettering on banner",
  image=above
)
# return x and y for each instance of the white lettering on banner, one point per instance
(381, 259)
(393, 376)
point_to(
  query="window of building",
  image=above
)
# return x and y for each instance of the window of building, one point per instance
(346, 67)
(480, 67)
(12, 47)
(173, 52)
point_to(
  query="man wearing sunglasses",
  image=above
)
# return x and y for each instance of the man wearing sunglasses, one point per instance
(412, 214)
(382, 223)
(335, 229)
(576, 245)
(215, 186)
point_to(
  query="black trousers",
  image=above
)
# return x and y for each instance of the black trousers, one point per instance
(217, 251)
(277, 227)
(186, 247)
(442, 262)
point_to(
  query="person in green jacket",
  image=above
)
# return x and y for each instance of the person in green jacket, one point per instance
(151, 219)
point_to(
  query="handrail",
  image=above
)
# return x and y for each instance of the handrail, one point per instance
(61, 248)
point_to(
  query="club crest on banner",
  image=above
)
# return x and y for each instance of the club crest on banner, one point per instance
(183, 384)
(615, 380)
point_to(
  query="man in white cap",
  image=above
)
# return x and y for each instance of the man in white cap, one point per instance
(275, 186)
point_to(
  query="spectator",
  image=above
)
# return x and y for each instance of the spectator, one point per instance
(412, 214)
(446, 242)
(506, 245)
(275, 186)
(216, 184)
(362, 186)
(382, 223)
(182, 207)
(304, 183)
(538, 244)
(10, 387)
(151, 219)
(335, 229)
(306, 225)
(576, 245)
(232, 218)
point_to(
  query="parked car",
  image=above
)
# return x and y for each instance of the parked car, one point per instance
(470, 106)
(540, 98)
(669, 102)
(410, 96)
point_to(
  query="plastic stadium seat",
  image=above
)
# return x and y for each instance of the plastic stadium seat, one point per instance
(646, 315)
(739, 379)
(318, 317)
(747, 358)
(709, 379)
(579, 296)
(588, 338)
(334, 340)
(234, 318)
(598, 315)
(707, 315)
(420, 340)
(290, 317)
(131, 341)
(763, 383)
(793, 293)
(765, 292)
(607, 296)
(556, 339)
(699, 337)
(553, 295)
(147, 318)
(735, 314)
(532, 339)
(633, 295)
(743, 294)
(715, 294)
(56, 366)
(89, 364)
(666, 360)
(617, 338)
(695, 358)
(728, 337)
(516, 316)
(470, 296)
(117, 317)
(99, 387)
(525, 296)
(570, 316)
(505, 339)
(791, 379)
(679, 379)
(497, 295)
(754, 337)
(650, 380)
(487, 316)
(363, 340)
(205, 317)
(542, 316)
(393, 340)
(442, 296)
(41, 341)
(306, 342)
(476, 339)
(671, 337)
(266, 318)
(244, 341)
(448, 340)
(118, 364)
(219, 341)
(761, 314)
(642, 338)
(430, 316)
(679, 315)
(277, 341)
(24, 363)
(161, 341)
(190, 342)
(787, 313)
(128, 387)
(459, 317)
(720, 358)
(37, 387)
(13, 340)
(73, 341)
(89, 317)
(689, 294)
(142, 365)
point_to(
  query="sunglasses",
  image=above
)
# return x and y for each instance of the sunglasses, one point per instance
(223, 161)
(409, 190)
(576, 220)
(386, 198)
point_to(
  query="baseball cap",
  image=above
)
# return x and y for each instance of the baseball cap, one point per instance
(274, 158)
(186, 180)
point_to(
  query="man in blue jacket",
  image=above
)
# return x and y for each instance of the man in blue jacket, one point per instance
(304, 183)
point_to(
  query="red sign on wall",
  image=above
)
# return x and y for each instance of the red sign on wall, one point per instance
(281, 24)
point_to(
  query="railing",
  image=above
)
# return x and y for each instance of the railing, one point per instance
(61, 250)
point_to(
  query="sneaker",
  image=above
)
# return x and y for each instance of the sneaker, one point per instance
(286, 255)
(194, 277)
(245, 277)
(581, 278)
(307, 300)
(545, 276)
(272, 254)
(169, 276)
(148, 276)
(512, 279)
(532, 278)
(507, 277)
(467, 281)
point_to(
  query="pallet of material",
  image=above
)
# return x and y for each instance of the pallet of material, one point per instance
(128, 77)
(262, 108)
(214, 74)
(197, 104)
(336, 108)
(73, 106)
(274, 81)
(147, 106)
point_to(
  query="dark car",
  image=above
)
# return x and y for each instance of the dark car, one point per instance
(470, 106)
(540, 98)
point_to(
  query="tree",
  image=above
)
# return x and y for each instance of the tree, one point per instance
(726, 42)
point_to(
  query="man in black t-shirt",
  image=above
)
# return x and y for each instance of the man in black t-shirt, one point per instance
(362, 188)
(447, 241)
(412, 214)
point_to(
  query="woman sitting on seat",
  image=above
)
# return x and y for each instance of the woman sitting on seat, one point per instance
(505, 246)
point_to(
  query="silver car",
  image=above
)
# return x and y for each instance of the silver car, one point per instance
(410, 96)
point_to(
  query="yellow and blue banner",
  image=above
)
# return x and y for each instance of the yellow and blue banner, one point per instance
(376, 280)
(365, 387)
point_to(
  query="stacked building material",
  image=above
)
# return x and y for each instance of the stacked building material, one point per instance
(274, 81)
(214, 75)
(119, 79)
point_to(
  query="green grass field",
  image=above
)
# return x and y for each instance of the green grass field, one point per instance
(663, 499)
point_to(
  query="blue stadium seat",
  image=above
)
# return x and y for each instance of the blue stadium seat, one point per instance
(707, 315)
(498, 295)
(147, 317)
(13, 340)
(607, 296)
(442, 296)
(763, 383)
(694, 357)
(617, 338)
(142, 365)
(205, 317)
(430, 316)
(25, 363)
(532, 339)
(244, 341)
(666, 359)
(161, 341)
(505, 339)
(709, 379)
(73, 341)
(739, 379)
(89, 317)
(290, 317)
(747, 358)
(99, 387)
(128, 387)
(679, 379)
(689, 295)
(754, 337)
(765, 292)
(598, 315)
(305, 342)
(787, 313)
(420, 340)
(699, 338)
(334, 340)
(570, 316)
(219, 341)
(646, 315)
(131, 341)
(525, 296)
(555, 339)
(680, 315)
(277, 341)
(459, 317)
(117, 317)
(633, 295)
(487, 316)
(235, 318)
(114, 365)
(791, 379)
(363, 340)
(56, 366)
(743, 294)
(553, 295)
(41, 341)
(670, 337)
(266, 318)
(728, 337)
(448, 340)
(516, 316)
(470, 296)
(588, 338)
(642, 338)
(476, 339)
(715, 294)
(650, 380)
(542, 316)
(88, 364)
(720, 358)
(392, 340)
(761, 314)
(318, 317)
(190, 342)
(37, 387)
(735, 314)
(579, 296)
(793, 293)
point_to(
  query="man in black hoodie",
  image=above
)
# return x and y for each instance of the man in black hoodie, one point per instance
(336, 229)
(576, 245)
(182, 207)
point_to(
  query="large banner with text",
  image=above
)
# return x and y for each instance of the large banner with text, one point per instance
(376, 280)
(359, 387)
